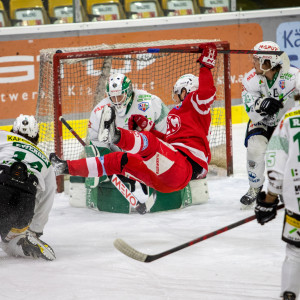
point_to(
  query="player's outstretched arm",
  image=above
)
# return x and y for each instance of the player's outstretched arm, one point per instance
(208, 56)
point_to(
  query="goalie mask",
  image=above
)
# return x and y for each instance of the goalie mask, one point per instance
(119, 90)
(26, 126)
(267, 46)
(189, 82)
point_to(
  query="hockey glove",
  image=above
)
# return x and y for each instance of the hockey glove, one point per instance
(265, 212)
(140, 123)
(60, 166)
(267, 106)
(208, 56)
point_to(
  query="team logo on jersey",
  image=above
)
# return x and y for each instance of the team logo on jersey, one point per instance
(173, 124)
(143, 106)
(282, 84)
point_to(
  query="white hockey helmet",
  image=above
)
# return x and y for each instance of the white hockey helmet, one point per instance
(188, 81)
(119, 84)
(267, 46)
(26, 125)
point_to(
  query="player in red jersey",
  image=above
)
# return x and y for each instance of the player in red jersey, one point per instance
(165, 162)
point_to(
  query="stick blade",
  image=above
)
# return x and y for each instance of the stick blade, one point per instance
(129, 251)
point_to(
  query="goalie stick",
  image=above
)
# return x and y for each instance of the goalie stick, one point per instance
(116, 181)
(137, 255)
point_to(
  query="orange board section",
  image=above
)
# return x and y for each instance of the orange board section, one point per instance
(19, 60)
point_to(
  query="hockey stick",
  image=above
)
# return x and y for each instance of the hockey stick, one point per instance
(116, 181)
(283, 97)
(137, 255)
(198, 50)
(79, 139)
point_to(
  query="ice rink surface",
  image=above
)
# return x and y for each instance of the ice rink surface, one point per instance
(243, 263)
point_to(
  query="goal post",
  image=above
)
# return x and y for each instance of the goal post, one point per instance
(72, 82)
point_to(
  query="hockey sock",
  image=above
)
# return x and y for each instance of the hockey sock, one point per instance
(108, 164)
(86, 167)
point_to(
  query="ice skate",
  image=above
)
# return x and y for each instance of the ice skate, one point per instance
(249, 199)
(108, 131)
(34, 247)
(289, 296)
(60, 166)
(141, 208)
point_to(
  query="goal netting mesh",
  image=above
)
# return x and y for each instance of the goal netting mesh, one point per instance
(72, 82)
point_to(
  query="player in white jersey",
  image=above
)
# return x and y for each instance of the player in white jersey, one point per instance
(282, 163)
(127, 102)
(268, 92)
(27, 187)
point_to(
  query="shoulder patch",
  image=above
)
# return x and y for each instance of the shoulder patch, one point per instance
(143, 106)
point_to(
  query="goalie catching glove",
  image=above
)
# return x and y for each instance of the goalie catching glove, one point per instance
(208, 56)
(267, 106)
(264, 211)
(140, 123)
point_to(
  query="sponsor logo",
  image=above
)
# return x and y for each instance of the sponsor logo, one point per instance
(268, 47)
(124, 190)
(100, 108)
(252, 177)
(35, 151)
(173, 124)
(19, 73)
(143, 106)
(157, 163)
(251, 76)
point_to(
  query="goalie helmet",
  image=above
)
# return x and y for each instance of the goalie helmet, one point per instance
(26, 125)
(267, 46)
(188, 81)
(119, 85)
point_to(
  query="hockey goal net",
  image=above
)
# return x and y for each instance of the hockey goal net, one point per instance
(72, 82)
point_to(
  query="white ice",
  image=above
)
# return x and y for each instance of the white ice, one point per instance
(242, 263)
